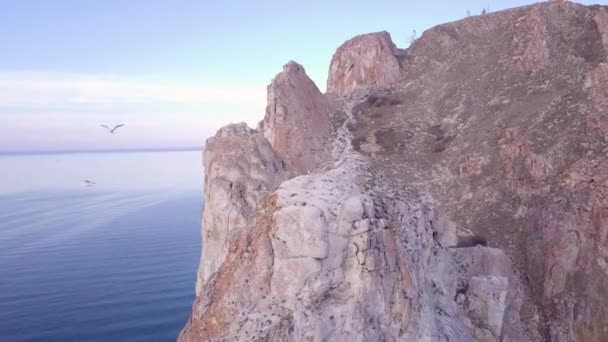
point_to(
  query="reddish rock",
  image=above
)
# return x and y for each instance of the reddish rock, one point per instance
(297, 120)
(503, 122)
(465, 196)
(240, 169)
(368, 60)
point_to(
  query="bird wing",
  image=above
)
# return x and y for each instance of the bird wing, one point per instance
(117, 126)
(104, 126)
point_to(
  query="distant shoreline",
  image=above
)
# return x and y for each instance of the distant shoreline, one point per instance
(148, 150)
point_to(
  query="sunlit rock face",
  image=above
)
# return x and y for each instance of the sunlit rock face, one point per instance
(368, 60)
(453, 191)
(345, 252)
(240, 169)
(297, 120)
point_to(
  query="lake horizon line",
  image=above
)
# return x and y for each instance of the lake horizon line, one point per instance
(93, 151)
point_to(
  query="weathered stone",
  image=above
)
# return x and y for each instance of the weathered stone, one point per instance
(368, 60)
(508, 114)
(297, 120)
(240, 169)
(464, 197)
(325, 259)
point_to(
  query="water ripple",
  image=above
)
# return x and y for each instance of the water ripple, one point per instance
(97, 266)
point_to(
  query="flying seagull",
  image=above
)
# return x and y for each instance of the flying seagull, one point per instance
(88, 183)
(113, 128)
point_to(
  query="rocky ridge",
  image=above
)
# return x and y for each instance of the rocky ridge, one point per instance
(453, 191)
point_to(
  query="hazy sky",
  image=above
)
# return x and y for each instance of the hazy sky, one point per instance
(173, 71)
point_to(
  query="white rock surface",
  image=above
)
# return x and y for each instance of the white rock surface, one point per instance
(297, 120)
(341, 256)
(240, 169)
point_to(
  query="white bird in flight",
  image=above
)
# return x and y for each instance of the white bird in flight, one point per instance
(113, 128)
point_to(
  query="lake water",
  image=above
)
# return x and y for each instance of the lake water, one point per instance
(112, 262)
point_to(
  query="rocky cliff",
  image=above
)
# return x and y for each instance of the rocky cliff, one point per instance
(456, 190)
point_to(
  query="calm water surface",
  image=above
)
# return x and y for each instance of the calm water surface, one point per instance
(111, 262)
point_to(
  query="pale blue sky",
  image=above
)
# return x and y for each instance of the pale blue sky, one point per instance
(173, 70)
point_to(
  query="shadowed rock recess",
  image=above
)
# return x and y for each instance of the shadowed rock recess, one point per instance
(456, 190)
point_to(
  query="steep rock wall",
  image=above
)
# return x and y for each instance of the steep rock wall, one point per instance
(240, 169)
(297, 120)
(461, 193)
(343, 255)
(500, 120)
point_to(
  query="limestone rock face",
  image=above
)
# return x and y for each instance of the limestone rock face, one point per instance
(458, 191)
(368, 60)
(297, 119)
(343, 255)
(240, 169)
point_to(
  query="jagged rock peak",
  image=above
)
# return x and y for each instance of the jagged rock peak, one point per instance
(297, 119)
(294, 66)
(363, 61)
(235, 130)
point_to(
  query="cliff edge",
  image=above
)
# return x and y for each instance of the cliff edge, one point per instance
(456, 190)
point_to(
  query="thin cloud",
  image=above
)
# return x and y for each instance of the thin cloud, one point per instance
(42, 110)
(43, 90)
